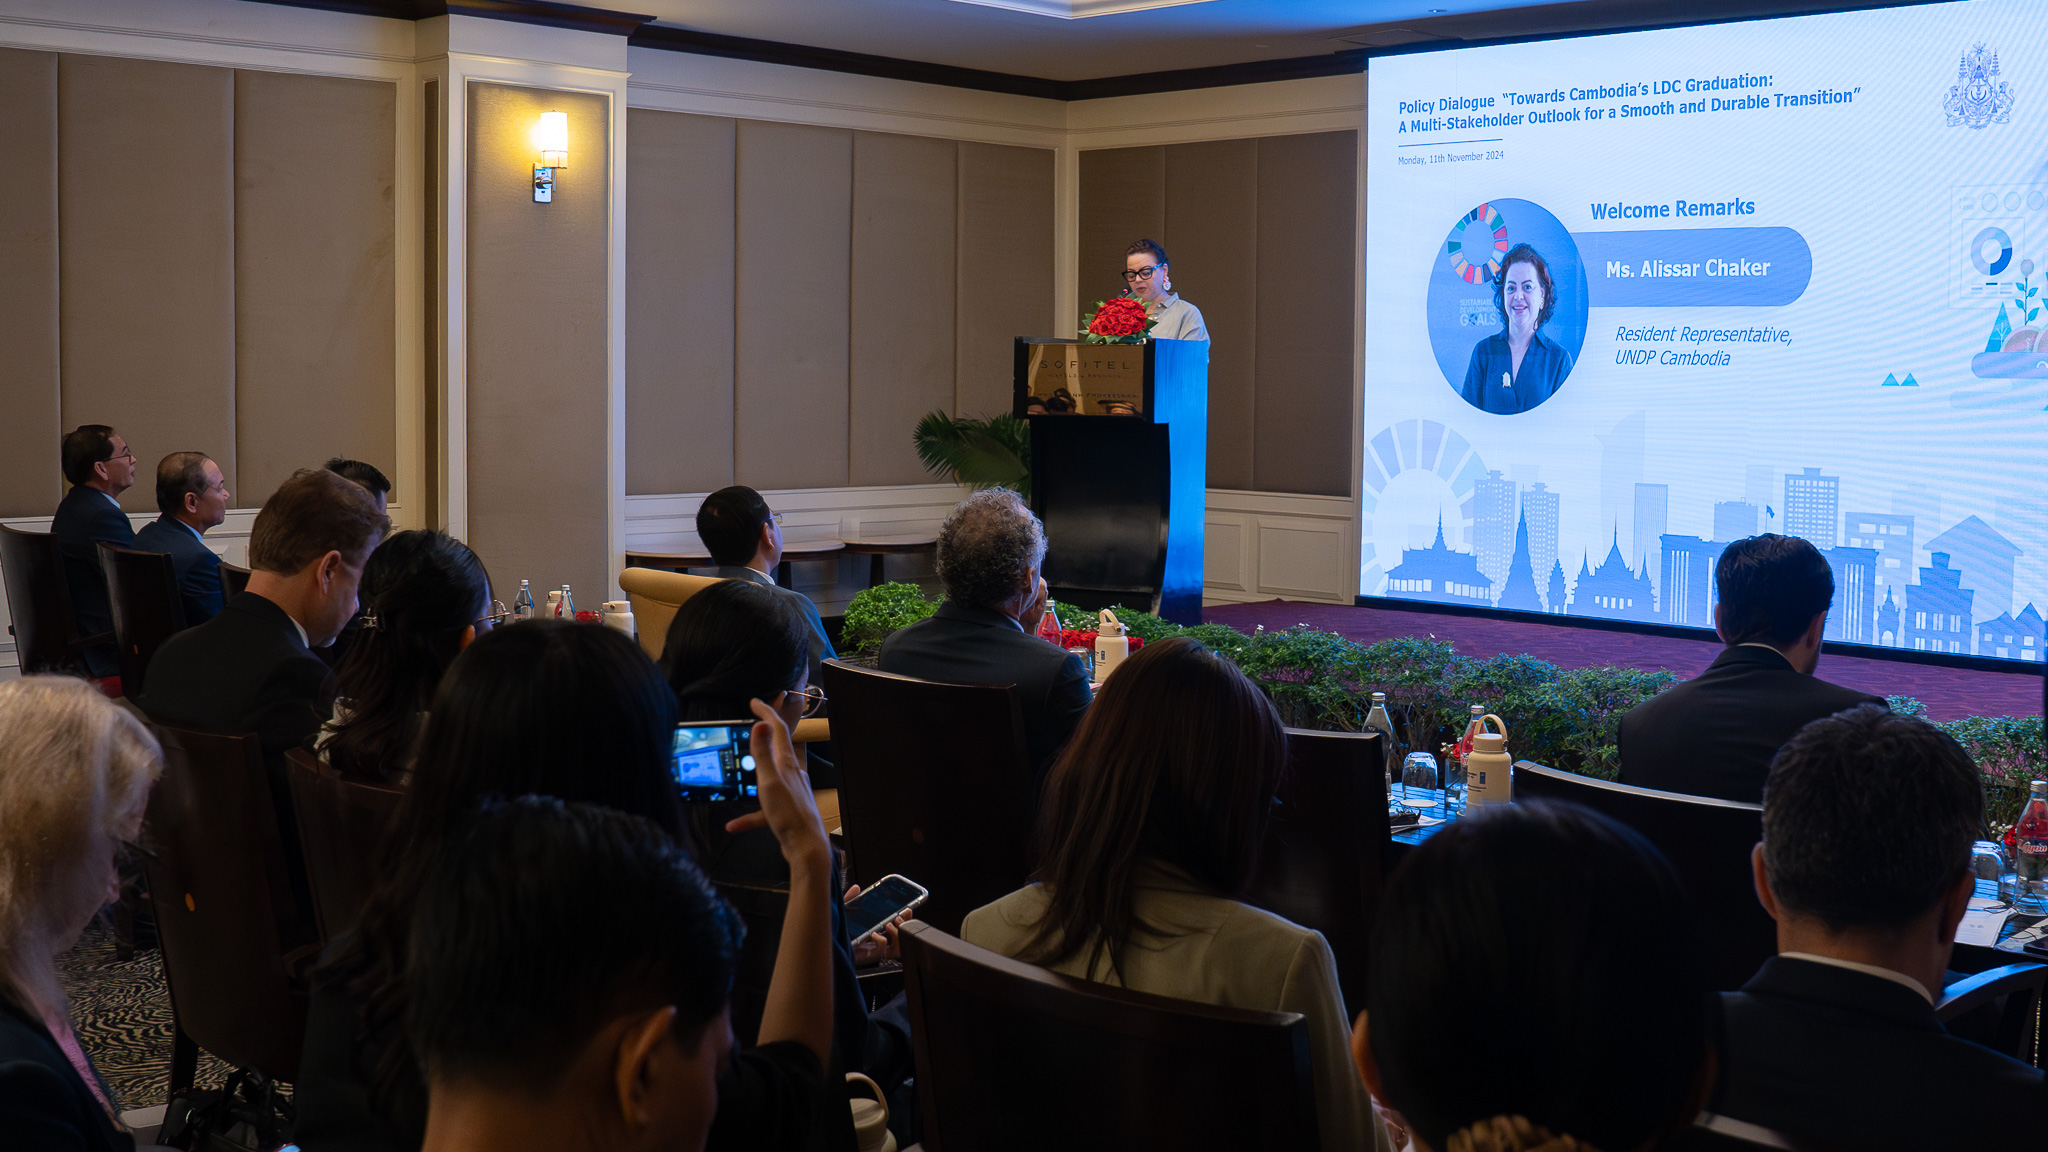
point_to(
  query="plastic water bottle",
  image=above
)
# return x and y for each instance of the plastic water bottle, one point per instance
(2030, 858)
(522, 605)
(1377, 720)
(566, 610)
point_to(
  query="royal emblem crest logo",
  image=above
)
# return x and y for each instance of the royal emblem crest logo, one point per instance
(1978, 97)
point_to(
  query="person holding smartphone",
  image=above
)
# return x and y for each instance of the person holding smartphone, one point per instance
(731, 644)
(577, 713)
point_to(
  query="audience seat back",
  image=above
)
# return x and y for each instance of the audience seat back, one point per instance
(234, 580)
(39, 602)
(1708, 842)
(1320, 865)
(216, 873)
(342, 823)
(2016, 991)
(142, 588)
(1013, 1057)
(934, 785)
(655, 596)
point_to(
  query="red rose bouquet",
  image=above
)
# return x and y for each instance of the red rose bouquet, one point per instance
(1118, 321)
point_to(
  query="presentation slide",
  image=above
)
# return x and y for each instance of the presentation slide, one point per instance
(1632, 297)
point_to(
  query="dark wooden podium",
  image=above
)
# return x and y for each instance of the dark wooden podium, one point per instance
(1119, 469)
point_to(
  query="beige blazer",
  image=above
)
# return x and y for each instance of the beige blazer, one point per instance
(1225, 953)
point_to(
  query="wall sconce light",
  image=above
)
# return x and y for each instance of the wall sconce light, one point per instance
(551, 140)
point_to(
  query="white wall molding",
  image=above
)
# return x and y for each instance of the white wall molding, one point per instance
(669, 524)
(225, 33)
(1280, 108)
(716, 86)
(1259, 545)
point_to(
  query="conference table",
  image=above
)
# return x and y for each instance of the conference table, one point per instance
(2018, 931)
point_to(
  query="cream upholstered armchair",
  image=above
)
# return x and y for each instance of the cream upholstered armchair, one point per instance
(656, 594)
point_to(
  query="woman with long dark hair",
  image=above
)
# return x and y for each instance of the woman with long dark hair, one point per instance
(731, 643)
(425, 597)
(576, 712)
(1149, 829)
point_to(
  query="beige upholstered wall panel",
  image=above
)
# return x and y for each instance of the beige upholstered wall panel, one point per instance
(1212, 203)
(538, 344)
(1307, 197)
(1005, 273)
(904, 205)
(679, 302)
(1123, 198)
(146, 242)
(30, 390)
(315, 293)
(792, 234)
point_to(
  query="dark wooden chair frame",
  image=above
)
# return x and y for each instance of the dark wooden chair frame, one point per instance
(1707, 840)
(142, 589)
(934, 786)
(1159, 1072)
(45, 632)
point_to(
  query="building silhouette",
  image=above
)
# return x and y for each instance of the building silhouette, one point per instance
(1653, 518)
(1977, 548)
(1614, 591)
(1688, 593)
(1440, 575)
(1887, 627)
(1519, 593)
(1938, 609)
(1554, 599)
(1539, 506)
(1852, 612)
(2010, 637)
(1813, 506)
(1891, 533)
(1493, 525)
(1734, 520)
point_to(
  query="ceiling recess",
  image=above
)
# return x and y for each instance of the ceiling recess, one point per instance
(1078, 9)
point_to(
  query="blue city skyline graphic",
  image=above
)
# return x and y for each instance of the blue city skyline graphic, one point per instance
(1904, 577)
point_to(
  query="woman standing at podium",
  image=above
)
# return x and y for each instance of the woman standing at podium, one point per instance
(1148, 279)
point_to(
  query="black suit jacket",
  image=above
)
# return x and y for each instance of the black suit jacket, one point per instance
(247, 671)
(1849, 1060)
(44, 1103)
(85, 518)
(1715, 734)
(963, 645)
(194, 564)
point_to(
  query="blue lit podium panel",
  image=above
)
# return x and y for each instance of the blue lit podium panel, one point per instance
(1119, 469)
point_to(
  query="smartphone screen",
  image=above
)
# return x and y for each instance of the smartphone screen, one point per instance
(713, 762)
(890, 897)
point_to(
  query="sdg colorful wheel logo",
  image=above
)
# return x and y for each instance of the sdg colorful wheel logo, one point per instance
(1476, 244)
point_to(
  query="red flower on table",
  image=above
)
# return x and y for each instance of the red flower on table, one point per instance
(1122, 316)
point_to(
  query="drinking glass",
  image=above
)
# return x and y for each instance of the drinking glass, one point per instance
(1418, 781)
(1989, 862)
(1454, 787)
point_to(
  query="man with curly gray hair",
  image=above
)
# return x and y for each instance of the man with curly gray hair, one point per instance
(989, 552)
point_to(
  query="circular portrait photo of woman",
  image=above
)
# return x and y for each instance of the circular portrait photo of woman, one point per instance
(1507, 306)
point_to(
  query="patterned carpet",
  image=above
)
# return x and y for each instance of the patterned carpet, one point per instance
(1949, 693)
(123, 1016)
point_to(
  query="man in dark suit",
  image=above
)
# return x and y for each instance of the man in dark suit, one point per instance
(100, 466)
(192, 496)
(985, 632)
(1714, 735)
(251, 669)
(745, 538)
(1865, 864)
